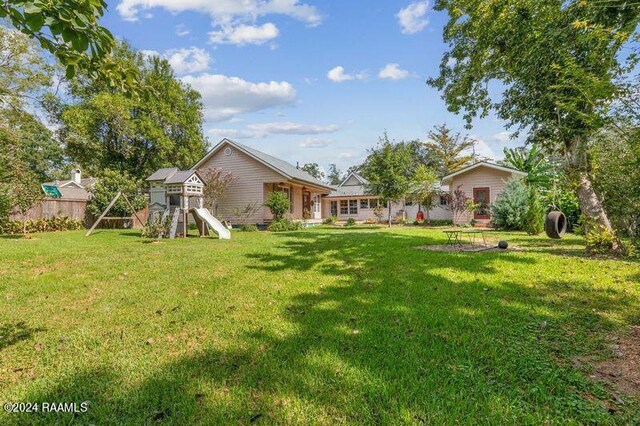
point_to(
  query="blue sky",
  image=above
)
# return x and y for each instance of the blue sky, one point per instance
(308, 81)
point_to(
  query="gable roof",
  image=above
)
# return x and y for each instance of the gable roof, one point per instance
(182, 176)
(287, 170)
(162, 174)
(483, 164)
(356, 176)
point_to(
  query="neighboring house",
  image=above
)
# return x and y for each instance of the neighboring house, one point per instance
(352, 200)
(257, 175)
(77, 188)
(482, 182)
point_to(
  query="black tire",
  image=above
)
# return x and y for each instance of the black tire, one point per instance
(556, 225)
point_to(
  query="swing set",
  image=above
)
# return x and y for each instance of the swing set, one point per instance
(104, 216)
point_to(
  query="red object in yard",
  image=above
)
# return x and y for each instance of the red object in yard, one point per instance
(420, 215)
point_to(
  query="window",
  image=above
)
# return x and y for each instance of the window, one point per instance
(334, 208)
(353, 206)
(344, 207)
(289, 196)
(443, 200)
(364, 203)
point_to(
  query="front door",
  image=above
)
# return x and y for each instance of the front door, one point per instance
(306, 204)
(481, 196)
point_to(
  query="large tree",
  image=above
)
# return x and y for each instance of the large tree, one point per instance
(448, 150)
(314, 170)
(102, 128)
(335, 175)
(556, 62)
(388, 168)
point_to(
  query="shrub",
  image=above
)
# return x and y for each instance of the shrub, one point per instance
(351, 222)
(445, 222)
(279, 204)
(54, 224)
(284, 225)
(510, 208)
(331, 220)
(599, 240)
(157, 227)
(249, 227)
(533, 221)
(371, 221)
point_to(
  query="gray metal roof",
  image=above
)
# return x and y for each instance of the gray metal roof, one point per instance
(350, 191)
(283, 166)
(162, 174)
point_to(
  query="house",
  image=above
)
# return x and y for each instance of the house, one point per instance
(256, 176)
(77, 188)
(483, 182)
(352, 200)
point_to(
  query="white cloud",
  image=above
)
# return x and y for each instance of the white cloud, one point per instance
(182, 30)
(234, 21)
(225, 97)
(245, 34)
(337, 75)
(261, 130)
(412, 18)
(393, 72)
(184, 61)
(315, 143)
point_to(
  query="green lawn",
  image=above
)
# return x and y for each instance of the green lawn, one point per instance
(318, 326)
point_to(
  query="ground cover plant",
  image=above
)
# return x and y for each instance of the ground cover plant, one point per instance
(324, 325)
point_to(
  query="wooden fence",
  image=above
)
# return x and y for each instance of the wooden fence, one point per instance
(74, 209)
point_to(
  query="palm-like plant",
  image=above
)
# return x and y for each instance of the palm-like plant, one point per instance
(539, 170)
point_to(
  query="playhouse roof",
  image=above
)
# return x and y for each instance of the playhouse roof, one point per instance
(162, 174)
(173, 175)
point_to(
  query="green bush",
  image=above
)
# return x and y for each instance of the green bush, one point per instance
(157, 227)
(284, 225)
(279, 204)
(510, 208)
(331, 220)
(54, 224)
(441, 222)
(599, 240)
(533, 221)
(351, 222)
(249, 227)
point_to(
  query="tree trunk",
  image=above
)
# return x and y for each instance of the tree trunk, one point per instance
(592, 207)
(389, 214)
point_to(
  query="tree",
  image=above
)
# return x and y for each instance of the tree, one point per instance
(216, 183)
(450, 151)
(425, 187)
(314, 170)
(106, 188)
(533, 221)
(25, 191)
(532, 162)
(616, 177)
(71, 32)
(388, 169)
(510, 208)
(279, 204)
(335, 175)
(104, 129)
(460, 203)
(558, 61)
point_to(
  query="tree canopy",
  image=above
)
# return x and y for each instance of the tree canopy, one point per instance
(449, 151)
(102, 128)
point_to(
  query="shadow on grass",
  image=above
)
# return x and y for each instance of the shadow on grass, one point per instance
(396, 335)
(10, 334)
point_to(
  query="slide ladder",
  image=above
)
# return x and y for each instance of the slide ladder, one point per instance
(213, 223)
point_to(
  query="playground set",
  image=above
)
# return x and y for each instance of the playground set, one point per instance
(176, 194)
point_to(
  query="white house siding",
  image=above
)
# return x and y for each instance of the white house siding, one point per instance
(247, 188)
(480, 177)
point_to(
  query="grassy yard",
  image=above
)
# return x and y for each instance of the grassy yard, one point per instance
(318, 326)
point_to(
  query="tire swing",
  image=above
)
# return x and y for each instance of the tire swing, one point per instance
(556, 225)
